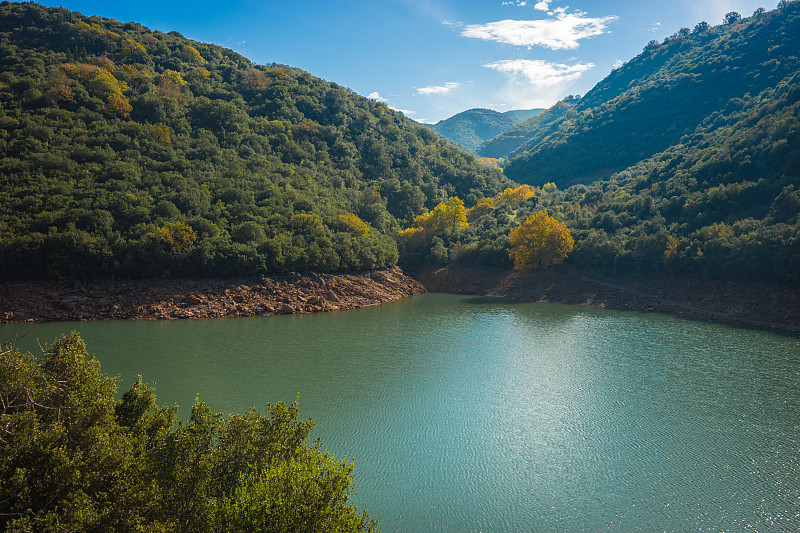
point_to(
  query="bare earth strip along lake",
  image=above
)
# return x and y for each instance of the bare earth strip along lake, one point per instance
(466, 414)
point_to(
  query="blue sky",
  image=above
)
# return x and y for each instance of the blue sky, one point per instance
(432, 59)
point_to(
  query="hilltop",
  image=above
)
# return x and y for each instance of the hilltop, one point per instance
(136, 153)
(507, 144)
(474, 127)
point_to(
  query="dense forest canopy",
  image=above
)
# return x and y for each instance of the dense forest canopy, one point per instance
(130, 152)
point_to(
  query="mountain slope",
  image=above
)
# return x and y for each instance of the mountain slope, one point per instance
(473, 127)
(723, 201)
(661, 97)
(130, 152)
(508, 143)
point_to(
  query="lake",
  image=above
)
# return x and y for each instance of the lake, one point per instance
(467, 414)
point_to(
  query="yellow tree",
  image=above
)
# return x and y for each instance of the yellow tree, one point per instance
(447, 217)
(190, 53)
(514, 197)
(539, 242)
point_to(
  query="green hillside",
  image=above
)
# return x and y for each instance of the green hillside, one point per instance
(473, 127)
(671, 94)
(508, 143)
(719, 199)
(130, 152)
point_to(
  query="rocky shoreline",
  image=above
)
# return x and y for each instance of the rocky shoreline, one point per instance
(176, 299)
(758, 305)
(774, 307)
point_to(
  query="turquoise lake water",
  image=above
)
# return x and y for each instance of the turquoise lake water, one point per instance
(465, 414)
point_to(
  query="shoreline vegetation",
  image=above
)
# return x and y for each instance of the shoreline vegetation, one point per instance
(758, 305)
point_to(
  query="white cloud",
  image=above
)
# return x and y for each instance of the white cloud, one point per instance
(618, 63)
(377, 97)
(544, 5)
(559, 33)
(536, 83)
(540, 73)
(438, 89)
(403, 111)
(655, 27)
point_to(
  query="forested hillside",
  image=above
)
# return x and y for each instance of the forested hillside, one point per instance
(473, 127)
(673, 93)
(133, 153)
(508, 143)
(130, 152)
(719, 198)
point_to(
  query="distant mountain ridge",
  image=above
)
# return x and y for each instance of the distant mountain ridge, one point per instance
(671, 94)
(512, 141)
(473, 127)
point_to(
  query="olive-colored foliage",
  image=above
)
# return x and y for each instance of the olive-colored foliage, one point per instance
(539, 242)
(72, 458)
(114, 135)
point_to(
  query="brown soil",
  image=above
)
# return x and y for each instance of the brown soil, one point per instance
(162, 299)
(775, 307)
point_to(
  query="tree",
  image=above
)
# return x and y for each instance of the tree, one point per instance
(732, 17)
(539, 242)
(72, 458)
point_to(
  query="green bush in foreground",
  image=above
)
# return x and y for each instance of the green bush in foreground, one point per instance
(72, 458)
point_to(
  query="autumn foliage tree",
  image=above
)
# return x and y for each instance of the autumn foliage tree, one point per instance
(448, 216)
(446, 219)
(539, 242)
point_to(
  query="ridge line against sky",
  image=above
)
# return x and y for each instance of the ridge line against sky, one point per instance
(432, 59)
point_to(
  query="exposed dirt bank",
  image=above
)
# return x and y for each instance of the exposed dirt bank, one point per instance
(171, 299)
(755, 305)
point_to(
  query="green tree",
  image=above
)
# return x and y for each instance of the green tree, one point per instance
(731, 17)
(74, 459)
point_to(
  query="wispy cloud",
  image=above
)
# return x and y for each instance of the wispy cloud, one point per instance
(558, 33)
(536, 83)
(438, 89)
(376, 96)
(403, 111)
(655, 27)
(540, 73)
